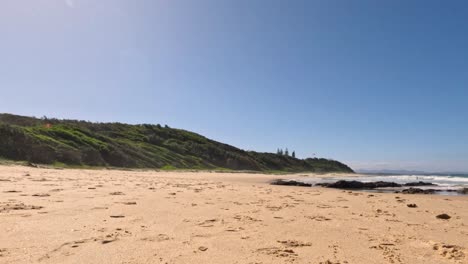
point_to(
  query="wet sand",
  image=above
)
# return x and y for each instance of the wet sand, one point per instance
(112, 216)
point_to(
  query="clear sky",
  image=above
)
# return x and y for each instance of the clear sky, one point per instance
(376, 84)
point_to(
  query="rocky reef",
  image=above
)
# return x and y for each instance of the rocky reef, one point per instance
(342, 184)
(358, 185)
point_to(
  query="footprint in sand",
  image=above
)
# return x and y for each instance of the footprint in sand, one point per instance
(234, 229)
(40, 180)
(129, 203)
(18, 206)
(100, 208)
(12, 191)
(208, 223)
(389, 252)
(278, 252)
(294, 243)
(450, 251)
(246, 218)
(116, 216)
(116, 193)
(318, 218)
(107, 241)
(64, 249)
(274, 208)
(158, 238)
(41, 195)
(331, 262)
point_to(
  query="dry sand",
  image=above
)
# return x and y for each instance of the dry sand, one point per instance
(110, 216)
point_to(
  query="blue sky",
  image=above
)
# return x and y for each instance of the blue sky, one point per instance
(376, 84)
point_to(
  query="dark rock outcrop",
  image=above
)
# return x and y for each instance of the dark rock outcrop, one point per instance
(342, 184)
(419, 183)
(418, 191)
(359, 185)
(426, 191)
(290, 183)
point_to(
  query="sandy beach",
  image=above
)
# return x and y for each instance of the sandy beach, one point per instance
(116, 216)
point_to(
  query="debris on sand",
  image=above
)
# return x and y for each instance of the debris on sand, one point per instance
(203, 248)
(444, 216)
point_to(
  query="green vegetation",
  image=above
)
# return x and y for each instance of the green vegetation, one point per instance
(81, 143)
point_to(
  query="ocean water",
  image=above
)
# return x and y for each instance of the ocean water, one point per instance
(443, 182)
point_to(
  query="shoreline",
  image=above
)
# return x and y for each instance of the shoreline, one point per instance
(114, 216)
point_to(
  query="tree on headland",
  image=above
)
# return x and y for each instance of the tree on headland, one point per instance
(285, 153)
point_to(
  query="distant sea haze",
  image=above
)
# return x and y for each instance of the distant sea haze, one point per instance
(412, 172)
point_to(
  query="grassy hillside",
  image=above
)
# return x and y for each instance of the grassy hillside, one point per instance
(71, 142)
